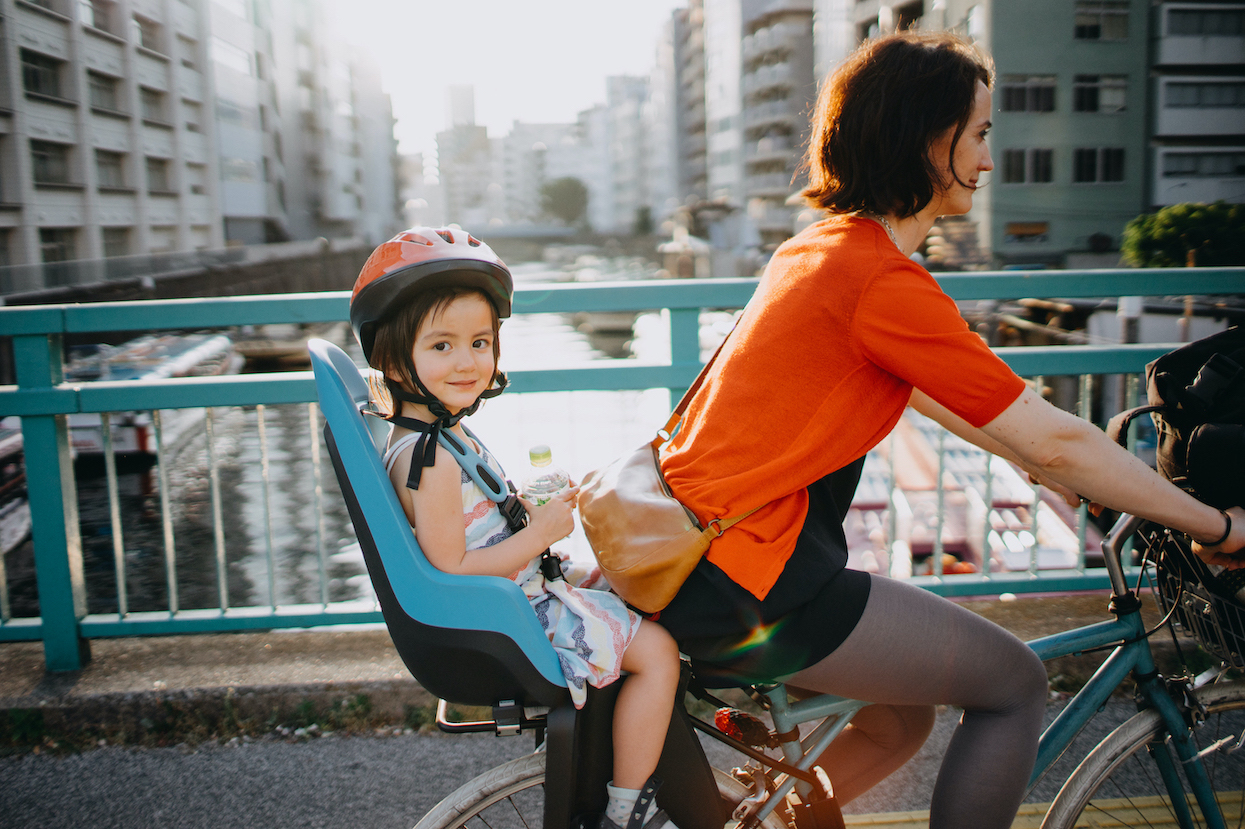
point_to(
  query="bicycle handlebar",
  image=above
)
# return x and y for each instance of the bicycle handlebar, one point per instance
(1113, 550)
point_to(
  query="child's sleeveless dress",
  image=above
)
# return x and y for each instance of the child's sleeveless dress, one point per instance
(588, 626)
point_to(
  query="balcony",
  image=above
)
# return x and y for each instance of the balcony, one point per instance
(769, 185)
(771, 114)
(775, 76)
(771, 148)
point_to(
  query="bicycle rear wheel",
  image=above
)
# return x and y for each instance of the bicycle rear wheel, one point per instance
(1118, 783)
(512, 796)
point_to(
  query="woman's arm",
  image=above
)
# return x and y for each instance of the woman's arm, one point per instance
(435, 511)
(1060, 447)
(960, 427)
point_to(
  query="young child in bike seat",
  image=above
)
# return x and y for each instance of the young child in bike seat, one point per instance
(427, 309)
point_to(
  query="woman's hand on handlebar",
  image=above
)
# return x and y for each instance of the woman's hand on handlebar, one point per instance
(1231, 553)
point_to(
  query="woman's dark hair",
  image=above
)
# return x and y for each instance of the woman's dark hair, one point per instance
(395, 339)
(879, 112)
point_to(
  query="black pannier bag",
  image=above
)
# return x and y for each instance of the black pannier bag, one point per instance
(1196, 398)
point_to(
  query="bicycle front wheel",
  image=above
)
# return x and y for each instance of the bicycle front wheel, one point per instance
(1119, 784)
(512, 796)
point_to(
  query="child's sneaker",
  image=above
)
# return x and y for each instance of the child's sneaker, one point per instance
(640, 813)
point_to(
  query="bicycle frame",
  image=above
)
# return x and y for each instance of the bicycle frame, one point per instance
(1132, 655)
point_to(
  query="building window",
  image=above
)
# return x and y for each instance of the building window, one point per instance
(1027, 232)
(50, 162)
(41, 74)
(239, 169)
(226, 54)
(1206, 22)
(193, 111)
(1210, 95)
(1101, 20)
(158, 175)
(6, 258)
(152, 102)
(99, 14)
(109, 168)
(1028, 166)
(242, 8)
(1013, 166)
(1204, 165)
(104, 91)
(1094, 165)
(1029, 93)
(188, 52)
(1099, 93)
(57, 244)
(116, 241)
(196, 179)
(147, 33)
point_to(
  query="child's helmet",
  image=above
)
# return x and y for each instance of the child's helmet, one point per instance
(416, 260)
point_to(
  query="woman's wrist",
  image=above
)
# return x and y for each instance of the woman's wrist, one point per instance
(1227, 531)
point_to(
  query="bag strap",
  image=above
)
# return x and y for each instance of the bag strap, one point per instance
(666, 432)
(718, 525)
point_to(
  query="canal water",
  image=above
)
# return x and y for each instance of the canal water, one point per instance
(285, 537)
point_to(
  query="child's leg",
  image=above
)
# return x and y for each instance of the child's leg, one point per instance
(642, 712)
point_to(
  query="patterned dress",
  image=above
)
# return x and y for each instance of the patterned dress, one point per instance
(588, 626)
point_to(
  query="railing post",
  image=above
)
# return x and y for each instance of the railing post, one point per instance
(684, 340)
(53, 497)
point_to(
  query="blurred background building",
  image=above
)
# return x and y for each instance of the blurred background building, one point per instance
(154, 126)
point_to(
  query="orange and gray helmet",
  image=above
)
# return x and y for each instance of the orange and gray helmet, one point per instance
(419, 259)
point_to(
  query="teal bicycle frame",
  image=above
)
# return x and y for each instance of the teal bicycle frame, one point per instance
(1132, 655)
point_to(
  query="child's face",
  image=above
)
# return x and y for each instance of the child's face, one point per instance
(454, 352)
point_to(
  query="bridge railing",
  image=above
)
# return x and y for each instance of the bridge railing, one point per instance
(44, 401)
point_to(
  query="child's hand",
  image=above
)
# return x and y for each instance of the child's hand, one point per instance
(553, 520)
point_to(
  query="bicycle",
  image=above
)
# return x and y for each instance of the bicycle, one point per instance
(475, 641)
(1176, 762)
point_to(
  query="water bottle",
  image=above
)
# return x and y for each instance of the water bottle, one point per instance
(544, 480)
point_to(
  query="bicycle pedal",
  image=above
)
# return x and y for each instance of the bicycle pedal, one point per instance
(743, 727)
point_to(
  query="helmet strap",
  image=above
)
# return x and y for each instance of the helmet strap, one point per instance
(425, 453)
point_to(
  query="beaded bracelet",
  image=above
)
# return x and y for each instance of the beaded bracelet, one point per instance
(1227, 531)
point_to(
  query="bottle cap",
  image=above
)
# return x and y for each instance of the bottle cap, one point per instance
(540, 455)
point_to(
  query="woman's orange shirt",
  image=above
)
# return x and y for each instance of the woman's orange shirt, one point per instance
(816, 374)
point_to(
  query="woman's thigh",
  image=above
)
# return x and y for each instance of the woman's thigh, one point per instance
(911, 647)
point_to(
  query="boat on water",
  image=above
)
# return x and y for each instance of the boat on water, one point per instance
(14, 507)
(149, 357)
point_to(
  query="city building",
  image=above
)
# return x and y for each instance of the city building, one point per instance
(1198, 100)
(689, 61)
(157, 126)
(1104, 109)
(779, 91)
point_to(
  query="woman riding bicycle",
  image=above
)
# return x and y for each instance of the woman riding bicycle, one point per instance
(843, 333)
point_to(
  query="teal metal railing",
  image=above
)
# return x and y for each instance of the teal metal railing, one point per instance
(43, 401)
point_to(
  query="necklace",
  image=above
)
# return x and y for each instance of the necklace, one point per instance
(889, 231)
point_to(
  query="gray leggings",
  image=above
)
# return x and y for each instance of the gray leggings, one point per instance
(911, 651)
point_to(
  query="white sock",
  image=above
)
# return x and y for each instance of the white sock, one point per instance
(622, 801)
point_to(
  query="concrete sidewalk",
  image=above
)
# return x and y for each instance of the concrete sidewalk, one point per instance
(130, 682)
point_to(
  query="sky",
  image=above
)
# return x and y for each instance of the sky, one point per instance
(536, 61)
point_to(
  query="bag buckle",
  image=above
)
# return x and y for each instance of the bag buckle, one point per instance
(716, 526)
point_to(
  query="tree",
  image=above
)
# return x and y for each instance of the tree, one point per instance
(1187, 234)
(566, 198)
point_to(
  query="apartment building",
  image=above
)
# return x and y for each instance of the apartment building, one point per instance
(152, 126)
(779, 90)
(1198, 101)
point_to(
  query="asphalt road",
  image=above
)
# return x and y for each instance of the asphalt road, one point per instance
(362, 782)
